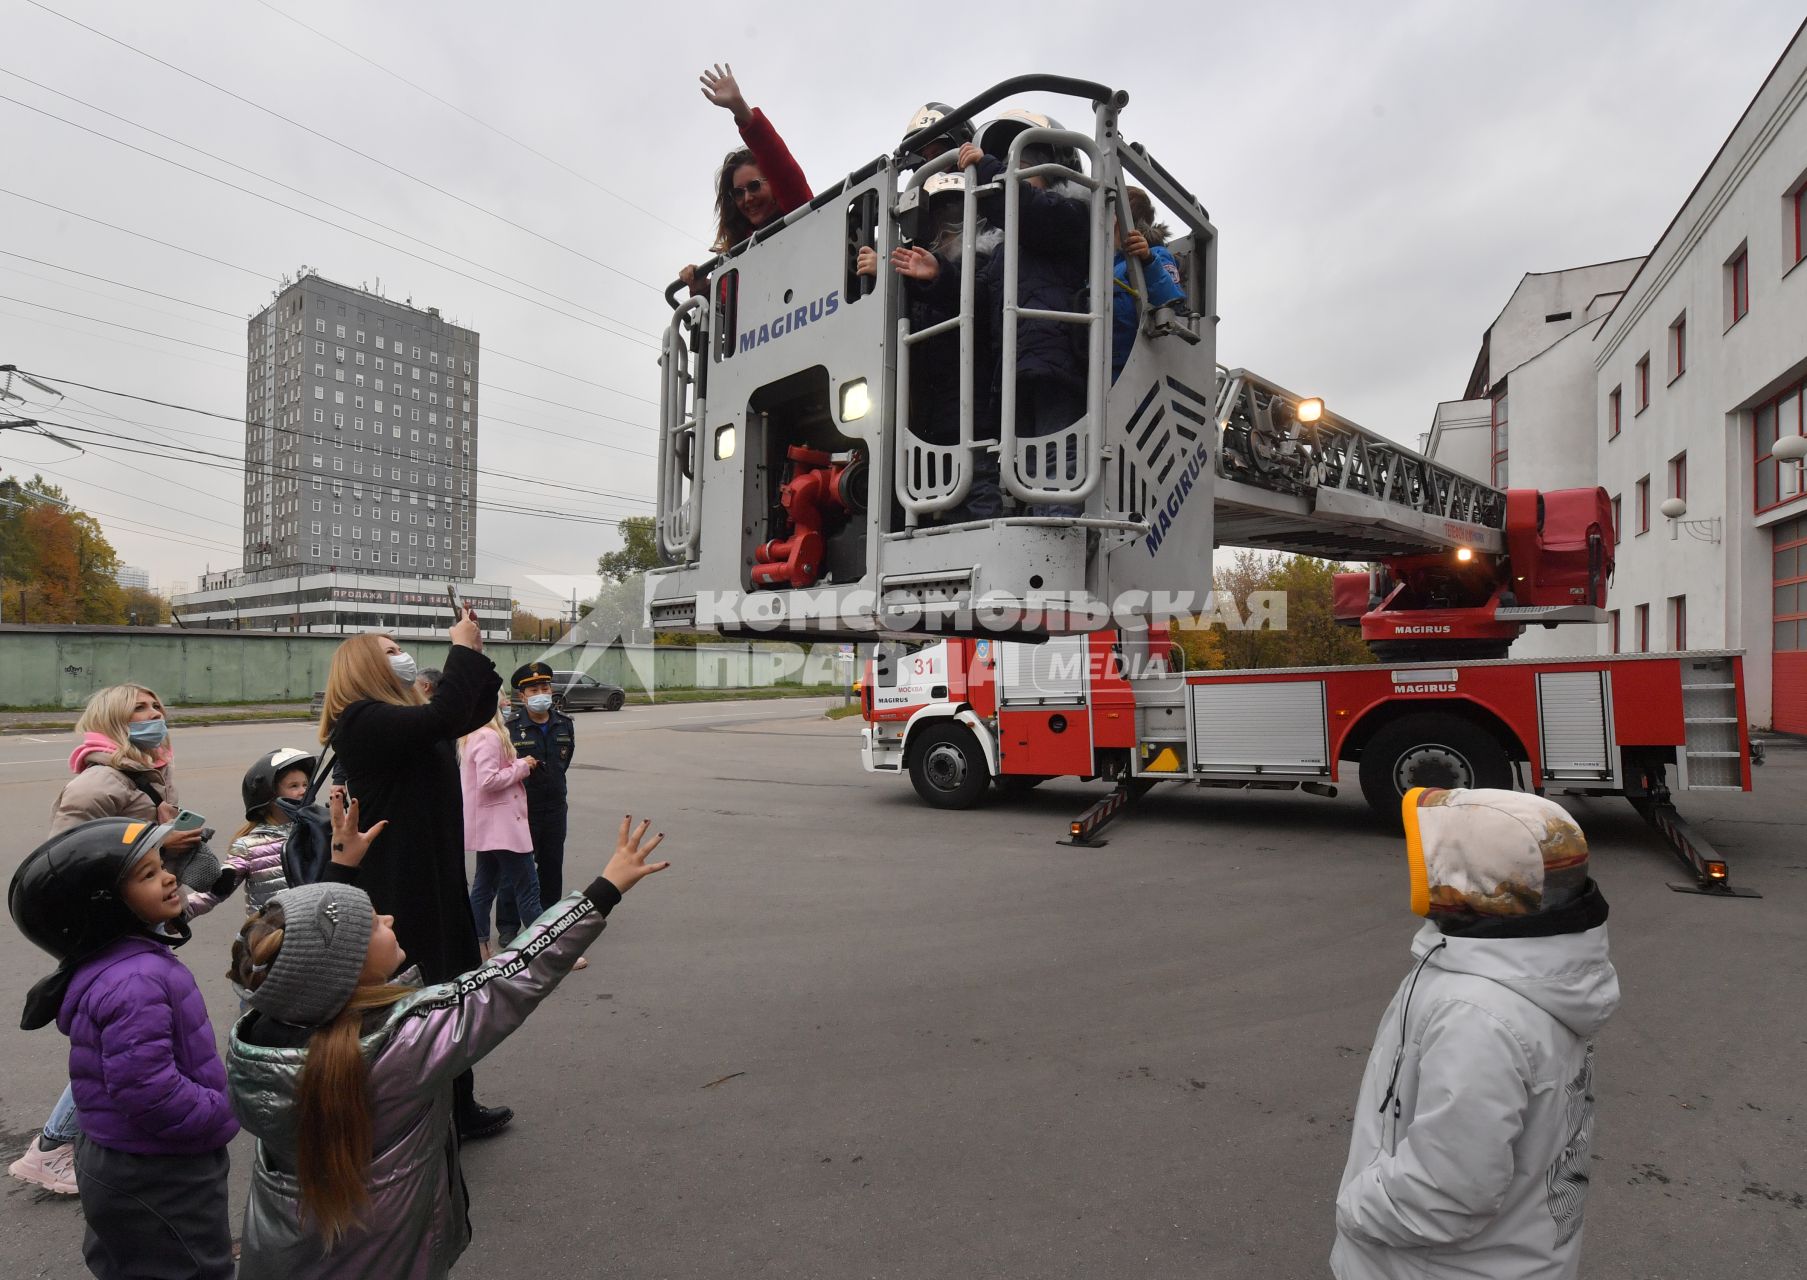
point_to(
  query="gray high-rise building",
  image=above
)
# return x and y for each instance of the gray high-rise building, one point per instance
(361, 422)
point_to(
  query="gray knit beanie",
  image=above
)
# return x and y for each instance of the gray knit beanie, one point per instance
(325, 935)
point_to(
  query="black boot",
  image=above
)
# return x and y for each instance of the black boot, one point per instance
(483, 1122)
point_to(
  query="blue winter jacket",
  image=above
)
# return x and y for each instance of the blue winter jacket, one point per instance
(1161, 281)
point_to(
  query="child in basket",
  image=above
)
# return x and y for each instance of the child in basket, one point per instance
(149, 1087)
(345, 1074)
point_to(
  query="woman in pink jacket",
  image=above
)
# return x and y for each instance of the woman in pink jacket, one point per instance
(495, 822)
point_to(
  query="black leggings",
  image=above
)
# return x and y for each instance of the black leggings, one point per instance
(154, 1217)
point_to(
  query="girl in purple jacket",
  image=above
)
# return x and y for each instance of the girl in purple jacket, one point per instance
(149, 1084)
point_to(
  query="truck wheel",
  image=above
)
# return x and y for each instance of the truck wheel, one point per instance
(947, 768)
(1430, 749)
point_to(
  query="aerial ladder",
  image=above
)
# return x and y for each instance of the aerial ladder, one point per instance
(796, 499)
(799, 499)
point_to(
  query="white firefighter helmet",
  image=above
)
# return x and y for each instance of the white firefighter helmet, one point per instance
(933, 113)
(995, 136)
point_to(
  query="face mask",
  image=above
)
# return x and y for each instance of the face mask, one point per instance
(148, 734)
(404, 666)
(540, 702)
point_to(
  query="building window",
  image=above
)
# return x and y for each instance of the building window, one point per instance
(1644, 505)
(1641, 620)
(319, 326)
(1641, 388)
(1613, 406)
(1678, 476)
(1678, 623)
(1790, 610)
(319, 415)
(318, 462)
(1737, 286)
(1798, 219)
(1777, 482)
(1613, 620)
(1678, 347)
(1616, 526)
(1499, 440)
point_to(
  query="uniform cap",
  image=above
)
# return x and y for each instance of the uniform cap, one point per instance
(530, 671)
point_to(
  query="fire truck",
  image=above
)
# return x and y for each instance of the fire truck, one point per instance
(963, 717)
(801, 495)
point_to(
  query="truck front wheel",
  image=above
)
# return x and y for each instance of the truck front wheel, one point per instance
(947, 768)
(1430, 749)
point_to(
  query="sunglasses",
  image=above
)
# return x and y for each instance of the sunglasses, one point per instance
(752, 188)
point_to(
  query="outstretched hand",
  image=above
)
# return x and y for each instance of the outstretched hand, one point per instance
(629, 865)
(349, 844)
(721, 88)
(915, 263)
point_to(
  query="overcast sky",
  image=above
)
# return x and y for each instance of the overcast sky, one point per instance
(1380, 177)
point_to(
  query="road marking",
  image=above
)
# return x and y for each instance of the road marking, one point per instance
(40, 760)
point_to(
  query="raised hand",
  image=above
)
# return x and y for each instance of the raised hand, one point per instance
(629, 865)
(722, 90)
(466, 632)
(915, 264)
(349, 844)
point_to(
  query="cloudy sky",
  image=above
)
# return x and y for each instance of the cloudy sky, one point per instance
(1380, 176)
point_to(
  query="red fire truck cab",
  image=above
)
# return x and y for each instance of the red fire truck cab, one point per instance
(963, 716)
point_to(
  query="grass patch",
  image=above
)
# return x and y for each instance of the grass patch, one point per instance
(841, 713)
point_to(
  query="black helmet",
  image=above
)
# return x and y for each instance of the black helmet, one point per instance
(259, 786)
(65, 897)
(932, 113)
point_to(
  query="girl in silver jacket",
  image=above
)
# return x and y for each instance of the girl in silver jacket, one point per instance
(344, 1074)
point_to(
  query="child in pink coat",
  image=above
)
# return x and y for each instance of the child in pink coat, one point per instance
(495, 822)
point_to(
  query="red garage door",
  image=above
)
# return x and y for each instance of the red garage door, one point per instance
(1788, 699)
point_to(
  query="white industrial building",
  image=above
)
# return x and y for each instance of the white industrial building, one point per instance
(1670, 377)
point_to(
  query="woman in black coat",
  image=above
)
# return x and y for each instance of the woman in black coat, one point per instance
(400, 760)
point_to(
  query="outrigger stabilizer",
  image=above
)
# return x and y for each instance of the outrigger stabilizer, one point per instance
(1649, 795)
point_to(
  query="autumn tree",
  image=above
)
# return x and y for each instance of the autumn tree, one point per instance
(56, 564)
(1273, 610)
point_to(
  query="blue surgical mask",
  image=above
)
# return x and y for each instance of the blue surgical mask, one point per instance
(148, 735)
(404, 666)
(540, 702)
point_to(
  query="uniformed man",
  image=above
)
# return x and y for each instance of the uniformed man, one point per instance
(544, 732)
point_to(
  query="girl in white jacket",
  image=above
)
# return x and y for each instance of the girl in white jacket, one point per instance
(1469, 1155)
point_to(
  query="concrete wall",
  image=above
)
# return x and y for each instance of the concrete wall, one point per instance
(62, 666)
(1522, 332)
(1740, 201)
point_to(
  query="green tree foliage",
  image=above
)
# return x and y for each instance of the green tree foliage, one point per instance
(639, 550)
(1311, 636)
(55, 563)
(143, 608)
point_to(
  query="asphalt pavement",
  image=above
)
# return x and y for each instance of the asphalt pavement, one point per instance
(847, 1035)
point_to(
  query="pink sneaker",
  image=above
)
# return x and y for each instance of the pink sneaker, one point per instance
(52, 1170)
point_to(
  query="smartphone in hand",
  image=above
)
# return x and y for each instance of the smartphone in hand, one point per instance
(451, 593)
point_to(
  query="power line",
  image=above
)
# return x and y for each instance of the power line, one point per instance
(226, 462)
(379, 451)
(345, 146)
(239, 420)
(631, 336)
(149, 333)
(57, 266)
(581, 177)
(489, 351)
(594, 413)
